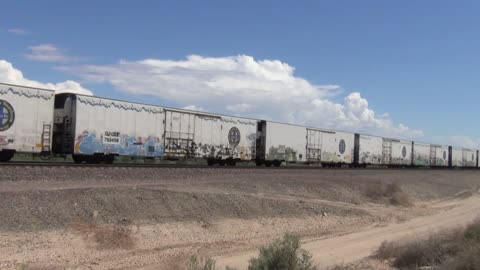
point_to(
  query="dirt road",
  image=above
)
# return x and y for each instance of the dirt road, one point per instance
(352, 247)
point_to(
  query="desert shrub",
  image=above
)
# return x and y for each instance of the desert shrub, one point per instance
(391, 189)
(196, 263)
(341, 267)
(434, 250)
(386, 251)
(283, 254)
(472, 232)
(114, 237)
(106, 236)
(391, 193)
(400, 199)
(374, 191)
(457, 249)
(22, 266)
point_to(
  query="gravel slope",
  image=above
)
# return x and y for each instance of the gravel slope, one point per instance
(173, 213)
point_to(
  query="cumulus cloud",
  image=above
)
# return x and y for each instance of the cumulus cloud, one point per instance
(18, 31)
(49, 53)
(245, 86)
(9, 74)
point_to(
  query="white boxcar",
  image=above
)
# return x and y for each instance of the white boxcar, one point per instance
(111, 127)
(469, 158)
(329, 147)
(105, 126)
(397, 152)
(370, 150)
(282, 142)
(439, 155)
(210, 136)
(26, 116)
(421, 154)
(457, 157)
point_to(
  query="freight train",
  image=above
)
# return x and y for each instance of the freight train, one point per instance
(96, 130)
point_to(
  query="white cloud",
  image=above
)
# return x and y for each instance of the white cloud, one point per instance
(241, 84)
(459, 141)
(11, 75)
(242, 107)
(18, 31)
(194, 108)
(49, 53)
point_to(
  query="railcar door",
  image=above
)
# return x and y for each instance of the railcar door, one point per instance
(179, 134)
(387, 152)
(314, 146)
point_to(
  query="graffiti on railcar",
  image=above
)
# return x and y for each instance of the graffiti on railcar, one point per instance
(232, 149)
(422, 159)
(366, 157)
(282, 152)
(116, 143)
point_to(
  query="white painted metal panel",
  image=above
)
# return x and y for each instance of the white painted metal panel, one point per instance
(225, 136)
(457, 157)
(421, 154)
(285, 142)
(110, 126)
(401, 153)
(441, 156)
(339, 147)
(370, 150)
(469, 158)
(23, 113)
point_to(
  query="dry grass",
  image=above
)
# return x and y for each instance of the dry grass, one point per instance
(106, 236)
(196, 263)
(390, 193)
(451, 249)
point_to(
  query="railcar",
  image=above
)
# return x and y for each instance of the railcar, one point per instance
(368, 150)
(469, 158)
(95, 130)
(25, 120)
(279, 142)
(380, 151)
(462, 157)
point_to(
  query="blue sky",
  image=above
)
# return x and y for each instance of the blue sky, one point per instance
(416, 61)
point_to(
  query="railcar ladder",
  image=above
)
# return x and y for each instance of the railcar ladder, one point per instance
(46, 133)
(433, 155)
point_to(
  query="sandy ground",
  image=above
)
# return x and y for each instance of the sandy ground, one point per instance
(353, 247)
(171, 214)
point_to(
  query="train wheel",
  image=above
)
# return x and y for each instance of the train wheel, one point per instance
(221, 162)
(77, 159)
(210, 162)
(92, 159)
(277, 163)
(109, 159)
(6, 156)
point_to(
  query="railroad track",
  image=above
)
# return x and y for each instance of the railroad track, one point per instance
(202, 166)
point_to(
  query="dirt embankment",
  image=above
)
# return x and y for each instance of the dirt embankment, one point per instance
(172, 213)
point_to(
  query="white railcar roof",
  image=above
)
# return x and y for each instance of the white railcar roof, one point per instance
(31, 87)
(224, 115)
